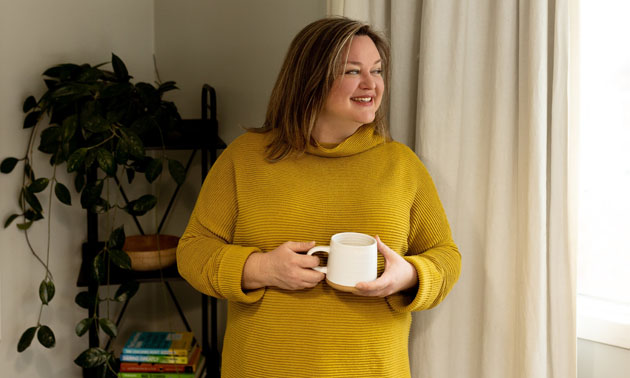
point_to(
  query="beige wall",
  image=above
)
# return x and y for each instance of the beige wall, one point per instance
(236, 46)
(35, 34)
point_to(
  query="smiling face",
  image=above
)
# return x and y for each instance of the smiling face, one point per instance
(355, 95)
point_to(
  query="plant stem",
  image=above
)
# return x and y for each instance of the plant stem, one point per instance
(109, 226)
(39, 318)
(27, 161)
(50, 201)
(103, 141)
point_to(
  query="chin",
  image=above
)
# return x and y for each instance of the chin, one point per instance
(365, 120)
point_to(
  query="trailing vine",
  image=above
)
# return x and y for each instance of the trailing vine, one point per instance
(95, 122)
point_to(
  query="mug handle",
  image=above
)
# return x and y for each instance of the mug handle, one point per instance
(319, 248)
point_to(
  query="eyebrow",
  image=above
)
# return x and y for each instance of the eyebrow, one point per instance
(359, 63)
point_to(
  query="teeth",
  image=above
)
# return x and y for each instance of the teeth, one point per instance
(362, 99)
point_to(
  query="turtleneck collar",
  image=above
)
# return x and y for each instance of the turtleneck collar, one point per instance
(362, 140)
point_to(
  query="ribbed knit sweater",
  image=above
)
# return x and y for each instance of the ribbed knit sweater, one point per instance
(249, 205)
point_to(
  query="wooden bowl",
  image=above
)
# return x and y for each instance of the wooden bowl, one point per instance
(146, 255)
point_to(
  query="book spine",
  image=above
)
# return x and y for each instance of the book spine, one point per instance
(135, 367)
(155, 352)
(153, 358)
(154, 375)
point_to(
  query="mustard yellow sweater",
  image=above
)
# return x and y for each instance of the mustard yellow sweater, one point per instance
(363, 185)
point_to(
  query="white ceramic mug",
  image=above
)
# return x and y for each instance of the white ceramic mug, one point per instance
(352, 258)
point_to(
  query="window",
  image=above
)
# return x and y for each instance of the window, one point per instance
(604, 173)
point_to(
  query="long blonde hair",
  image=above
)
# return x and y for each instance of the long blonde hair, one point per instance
(310, 67)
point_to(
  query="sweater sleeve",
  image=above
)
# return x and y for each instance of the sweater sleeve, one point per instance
(206, 257)
(431, 251)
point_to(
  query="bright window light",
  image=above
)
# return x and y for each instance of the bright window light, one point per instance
(604, 157)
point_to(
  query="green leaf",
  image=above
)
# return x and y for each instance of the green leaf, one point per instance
(92, 357)
(113, 91)
(88, 74)
(32, 215)
(126, 291)
(83, 326)
(32, 200)
(62, 71)
(120, 258)
(101, 206)
(122, 152)
(28, 172)
(38, 185)
(91, 194)
(69, 127)
(130, 174)
(142, 205)
(119, 68)
(94, 122)
(149, 96)
(79, 181)
(26, 339)
(153, 170)
(167, 86)
(46, 336)
(106, 161)
(50, 140)
(46, 291)
(57, 157)
(8, 164)
(29, 104)
(177, 171)
(98, 268)
(90, 158)
(70, 90)
(85, 300)
(144, 125)
(63, 194)
(24, 226)
(108, 327)
(136, 148)
(10, 219)
(31, 119)
(117, 238)
(76, 159)
(50, 84)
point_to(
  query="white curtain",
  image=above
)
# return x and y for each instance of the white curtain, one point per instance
(480, 90)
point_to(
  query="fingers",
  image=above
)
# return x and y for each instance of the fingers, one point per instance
(380, 287)
(303, 261)
(312, 277)
(291, 270)
(299, 246)
(383, 248)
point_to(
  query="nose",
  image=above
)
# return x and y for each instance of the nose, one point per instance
(367, 81)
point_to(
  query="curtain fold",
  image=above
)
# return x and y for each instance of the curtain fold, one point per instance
(480, 90)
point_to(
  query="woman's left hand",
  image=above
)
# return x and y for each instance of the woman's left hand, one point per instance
(399, 275)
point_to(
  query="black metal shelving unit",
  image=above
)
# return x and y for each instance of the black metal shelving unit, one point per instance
(196, 135)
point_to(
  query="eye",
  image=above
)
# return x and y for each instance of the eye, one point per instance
(378, 71)
(352, 72)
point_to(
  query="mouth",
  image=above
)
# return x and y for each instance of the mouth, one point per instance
(367, 100)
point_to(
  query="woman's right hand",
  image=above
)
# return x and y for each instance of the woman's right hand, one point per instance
(283, 267)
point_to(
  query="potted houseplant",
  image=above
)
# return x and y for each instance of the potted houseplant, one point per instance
(91, 122)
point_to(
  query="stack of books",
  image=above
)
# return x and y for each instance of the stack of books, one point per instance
(161, 355)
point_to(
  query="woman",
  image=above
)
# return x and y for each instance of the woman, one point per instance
(322, 163)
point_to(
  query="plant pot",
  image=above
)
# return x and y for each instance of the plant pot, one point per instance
(146, 254)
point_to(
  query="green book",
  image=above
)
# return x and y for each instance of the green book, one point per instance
(160, 343)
